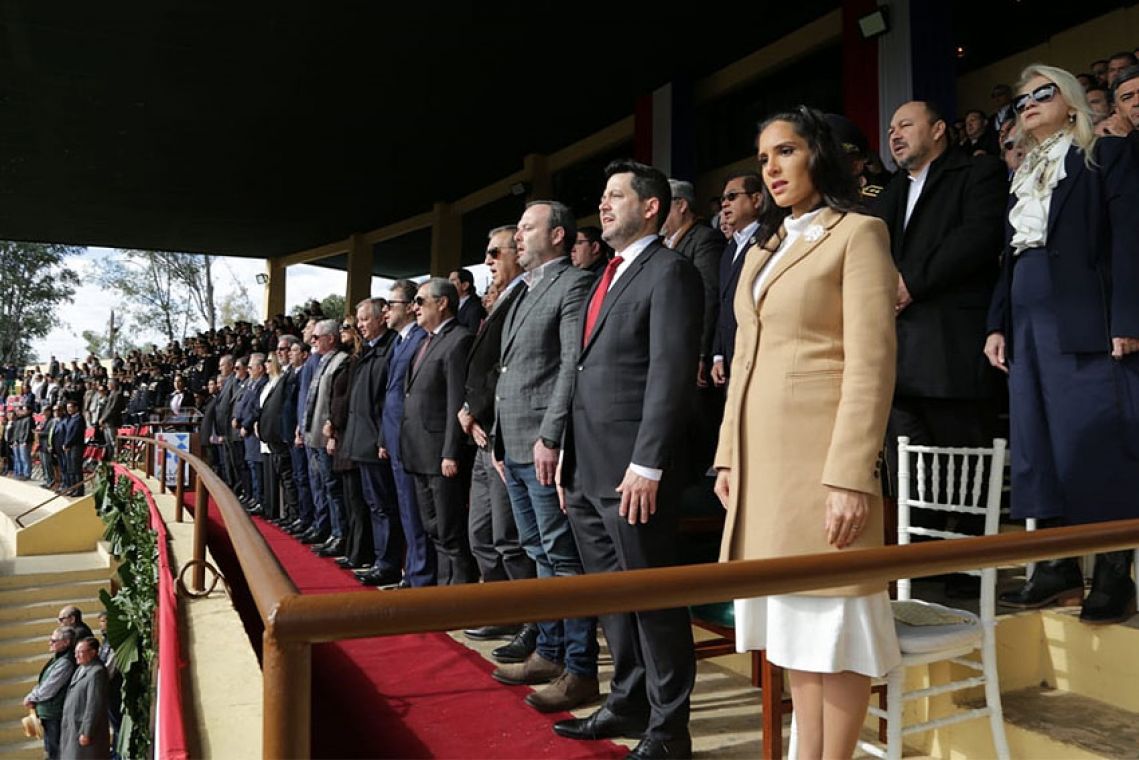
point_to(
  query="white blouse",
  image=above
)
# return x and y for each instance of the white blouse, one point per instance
(794, 229)
(1032, 185)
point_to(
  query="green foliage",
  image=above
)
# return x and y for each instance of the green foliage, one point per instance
(131, 611)
(333, 306)
(34, 282)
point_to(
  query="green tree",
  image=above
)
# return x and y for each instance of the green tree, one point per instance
(237, 306)
(151, 288)
(333, 306)
(34, 282)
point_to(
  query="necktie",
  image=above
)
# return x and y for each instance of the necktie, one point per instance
(599, 297)
(419, 354)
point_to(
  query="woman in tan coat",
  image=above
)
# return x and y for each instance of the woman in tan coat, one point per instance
(799, 448)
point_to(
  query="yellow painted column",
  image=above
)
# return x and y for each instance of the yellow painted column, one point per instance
(538, 175)
(446, 240)
(274, 301)
(359, 273)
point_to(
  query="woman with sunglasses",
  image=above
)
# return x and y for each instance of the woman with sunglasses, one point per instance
(1064, 324)
(797, 462)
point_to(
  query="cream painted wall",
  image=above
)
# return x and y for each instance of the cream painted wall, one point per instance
(1073, 49)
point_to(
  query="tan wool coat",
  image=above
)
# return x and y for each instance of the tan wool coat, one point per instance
(810, 391)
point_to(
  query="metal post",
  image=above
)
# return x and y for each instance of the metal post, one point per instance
(286, 698)
(159, 452)
(179, 489)
(198, 579)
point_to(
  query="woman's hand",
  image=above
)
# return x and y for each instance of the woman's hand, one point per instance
(847, 512)
(721, 489)
(995, 351)
(1121, 347)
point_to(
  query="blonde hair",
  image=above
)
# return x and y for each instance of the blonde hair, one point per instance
(1083, 135)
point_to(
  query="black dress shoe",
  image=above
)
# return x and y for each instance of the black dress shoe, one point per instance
(348, 564)
(379, 578)
(491, 632)
(298, 528)
(1112, 597)
(314, 537)
(1058, 580)
(601, 725)
(660, 749)
(519, 647)
(256, 511)
(333, 549)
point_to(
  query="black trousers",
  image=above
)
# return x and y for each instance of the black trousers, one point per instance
(280, 482)
(442, 509)
(493, 532)
(357, 520)
(654, 667)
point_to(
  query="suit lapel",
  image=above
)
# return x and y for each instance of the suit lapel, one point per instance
(519, 313)
(799, 250)
(615, 291)
(1073, 166)
(413, 370)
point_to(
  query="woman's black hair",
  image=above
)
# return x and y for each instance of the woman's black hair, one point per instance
(827, 165)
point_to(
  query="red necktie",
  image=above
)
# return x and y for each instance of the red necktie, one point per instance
(599, 297)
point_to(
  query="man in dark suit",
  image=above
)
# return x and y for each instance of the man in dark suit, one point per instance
(73, 430)
(470, 312)
(111, 416)
(540, 344)
(361, 436)
(493, 533)
(431, 439)
(276, 427)
(419, 562)
(247, 413)
(55, 439)
(945, 211)
(641, 345)
(740, 204)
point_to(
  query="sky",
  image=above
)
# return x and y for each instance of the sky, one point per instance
(90, 309)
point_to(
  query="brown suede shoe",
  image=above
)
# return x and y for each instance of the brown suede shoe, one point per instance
(567, 692)
(534, 669)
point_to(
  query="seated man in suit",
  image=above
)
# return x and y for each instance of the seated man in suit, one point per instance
(623, 456)
(431, 439)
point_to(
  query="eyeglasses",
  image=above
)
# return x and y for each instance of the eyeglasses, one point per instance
(420, 300)
(61, 618)
(495, 251)
(731, 195)
(393, 303)
(347, 326)
(1041, 94)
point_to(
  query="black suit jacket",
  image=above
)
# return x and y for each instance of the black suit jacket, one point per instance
(483, 360)
(634, 384)
(725, 341)
(471, 314)
(948, 256)
(366, 401)
(272, 423)
(433, 396)
(704, 247)
(1092, 257)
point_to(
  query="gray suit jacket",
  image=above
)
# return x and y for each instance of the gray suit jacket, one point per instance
(540, 345)
(85, 714)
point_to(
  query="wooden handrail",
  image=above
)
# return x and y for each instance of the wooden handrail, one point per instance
(294, 621)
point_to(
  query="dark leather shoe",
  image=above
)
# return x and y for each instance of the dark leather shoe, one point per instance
(1058, 580)
(1112, 597)
(256, 511)
(348, 564)
(314, 537)
(490, 632)
(334, 548)
(519, 647)
(378, 578)
(660, 749)
(297, 528)
(601, 725)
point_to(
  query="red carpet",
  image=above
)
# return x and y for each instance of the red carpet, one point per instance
(412, 696)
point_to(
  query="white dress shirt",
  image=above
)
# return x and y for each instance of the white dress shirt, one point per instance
(916, 184)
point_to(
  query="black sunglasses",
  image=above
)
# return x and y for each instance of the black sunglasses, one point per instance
(1041, 94)
(497, 250)
(731, 195)
(420, 300)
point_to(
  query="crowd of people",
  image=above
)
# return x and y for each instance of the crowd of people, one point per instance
(550, 426)
(77, 699)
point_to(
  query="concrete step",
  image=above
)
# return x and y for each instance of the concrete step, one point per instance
(12, 709)
(66, 592)
(23, 647)
(20, 629)
(1049, 723)
(21, 667)
(23, 579)
(49, 609)
(28, 749)
(11, 732)
(18, 686)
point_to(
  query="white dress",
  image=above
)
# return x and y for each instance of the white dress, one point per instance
(818, 634)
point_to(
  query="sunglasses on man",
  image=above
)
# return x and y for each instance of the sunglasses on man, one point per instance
(1041, 94)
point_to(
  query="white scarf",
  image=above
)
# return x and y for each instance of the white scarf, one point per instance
(1037, 177)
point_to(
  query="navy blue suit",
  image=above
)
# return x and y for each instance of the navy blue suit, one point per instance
(1073, 410)
(725, 341)
(419, 564)
(74, 427)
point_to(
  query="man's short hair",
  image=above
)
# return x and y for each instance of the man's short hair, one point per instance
(406, 289)
(682, 190)
(91, 642)
(467, 279)
(648, 182)
(592, 233)
(1107, 94)
(1130, 57)
(560, 216)
(376, 306)
(511, 228)
(289, 340)
(1129, 73)
(72, 611)
(751, 180)
(327, 327)
(441, 287)
(67, 632)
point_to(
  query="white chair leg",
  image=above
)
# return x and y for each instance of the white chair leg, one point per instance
(895, 683)
(993, 694)
(1030, 568)
(793, 740)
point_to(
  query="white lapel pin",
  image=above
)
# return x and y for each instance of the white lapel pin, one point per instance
(813, 233)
